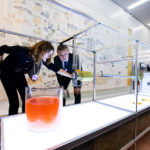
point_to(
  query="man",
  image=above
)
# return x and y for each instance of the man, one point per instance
(64, 59)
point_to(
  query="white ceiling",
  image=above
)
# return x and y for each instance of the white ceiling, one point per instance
(141, 13)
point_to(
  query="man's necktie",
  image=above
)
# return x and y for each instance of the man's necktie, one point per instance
(65, 65)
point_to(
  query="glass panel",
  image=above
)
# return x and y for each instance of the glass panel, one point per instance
(86, 70)
(115, 59)
(114, 67)
(39, 20)
(144, 76)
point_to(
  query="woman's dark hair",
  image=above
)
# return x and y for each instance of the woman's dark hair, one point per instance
(39, 48)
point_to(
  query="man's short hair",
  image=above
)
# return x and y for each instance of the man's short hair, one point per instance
(61, 48)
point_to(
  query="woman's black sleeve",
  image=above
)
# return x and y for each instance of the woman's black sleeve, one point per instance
(9, 49)
(52, 67)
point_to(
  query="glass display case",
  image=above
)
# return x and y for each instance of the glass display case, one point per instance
(113, 68)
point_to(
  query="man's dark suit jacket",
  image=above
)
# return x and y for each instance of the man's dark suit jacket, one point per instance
(62, 80)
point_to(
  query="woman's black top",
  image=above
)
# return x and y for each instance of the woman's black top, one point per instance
(19, 60)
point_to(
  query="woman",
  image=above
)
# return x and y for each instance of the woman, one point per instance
(22, 60)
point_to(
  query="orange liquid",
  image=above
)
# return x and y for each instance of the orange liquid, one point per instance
(44, 109)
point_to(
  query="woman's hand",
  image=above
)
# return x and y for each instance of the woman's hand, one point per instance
(35, 77)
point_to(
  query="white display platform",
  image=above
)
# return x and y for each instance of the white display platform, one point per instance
(127, 102)
(77, 121)
(144, 94)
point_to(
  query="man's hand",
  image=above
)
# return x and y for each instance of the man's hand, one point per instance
(64, 73)
(74, 75)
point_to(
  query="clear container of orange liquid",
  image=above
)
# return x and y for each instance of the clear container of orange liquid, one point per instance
(43, 108)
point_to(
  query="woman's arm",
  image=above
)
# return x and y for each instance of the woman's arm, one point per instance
(34, 71)
(9, 49)
(64, 73)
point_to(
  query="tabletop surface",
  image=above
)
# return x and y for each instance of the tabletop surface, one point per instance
(76, 121)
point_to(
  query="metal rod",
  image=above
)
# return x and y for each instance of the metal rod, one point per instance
(25, 35)
(38, 38)
(94, 76)
(70, 38)
(74, 53)
(110, 47)
(72, 10)
(110, 61)
(136, 91)
(140, 54)
(144, 57)
(116, 76)
(105, 48)
(143, 53)
(136, 74)
(131, 87)
(123, 59)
